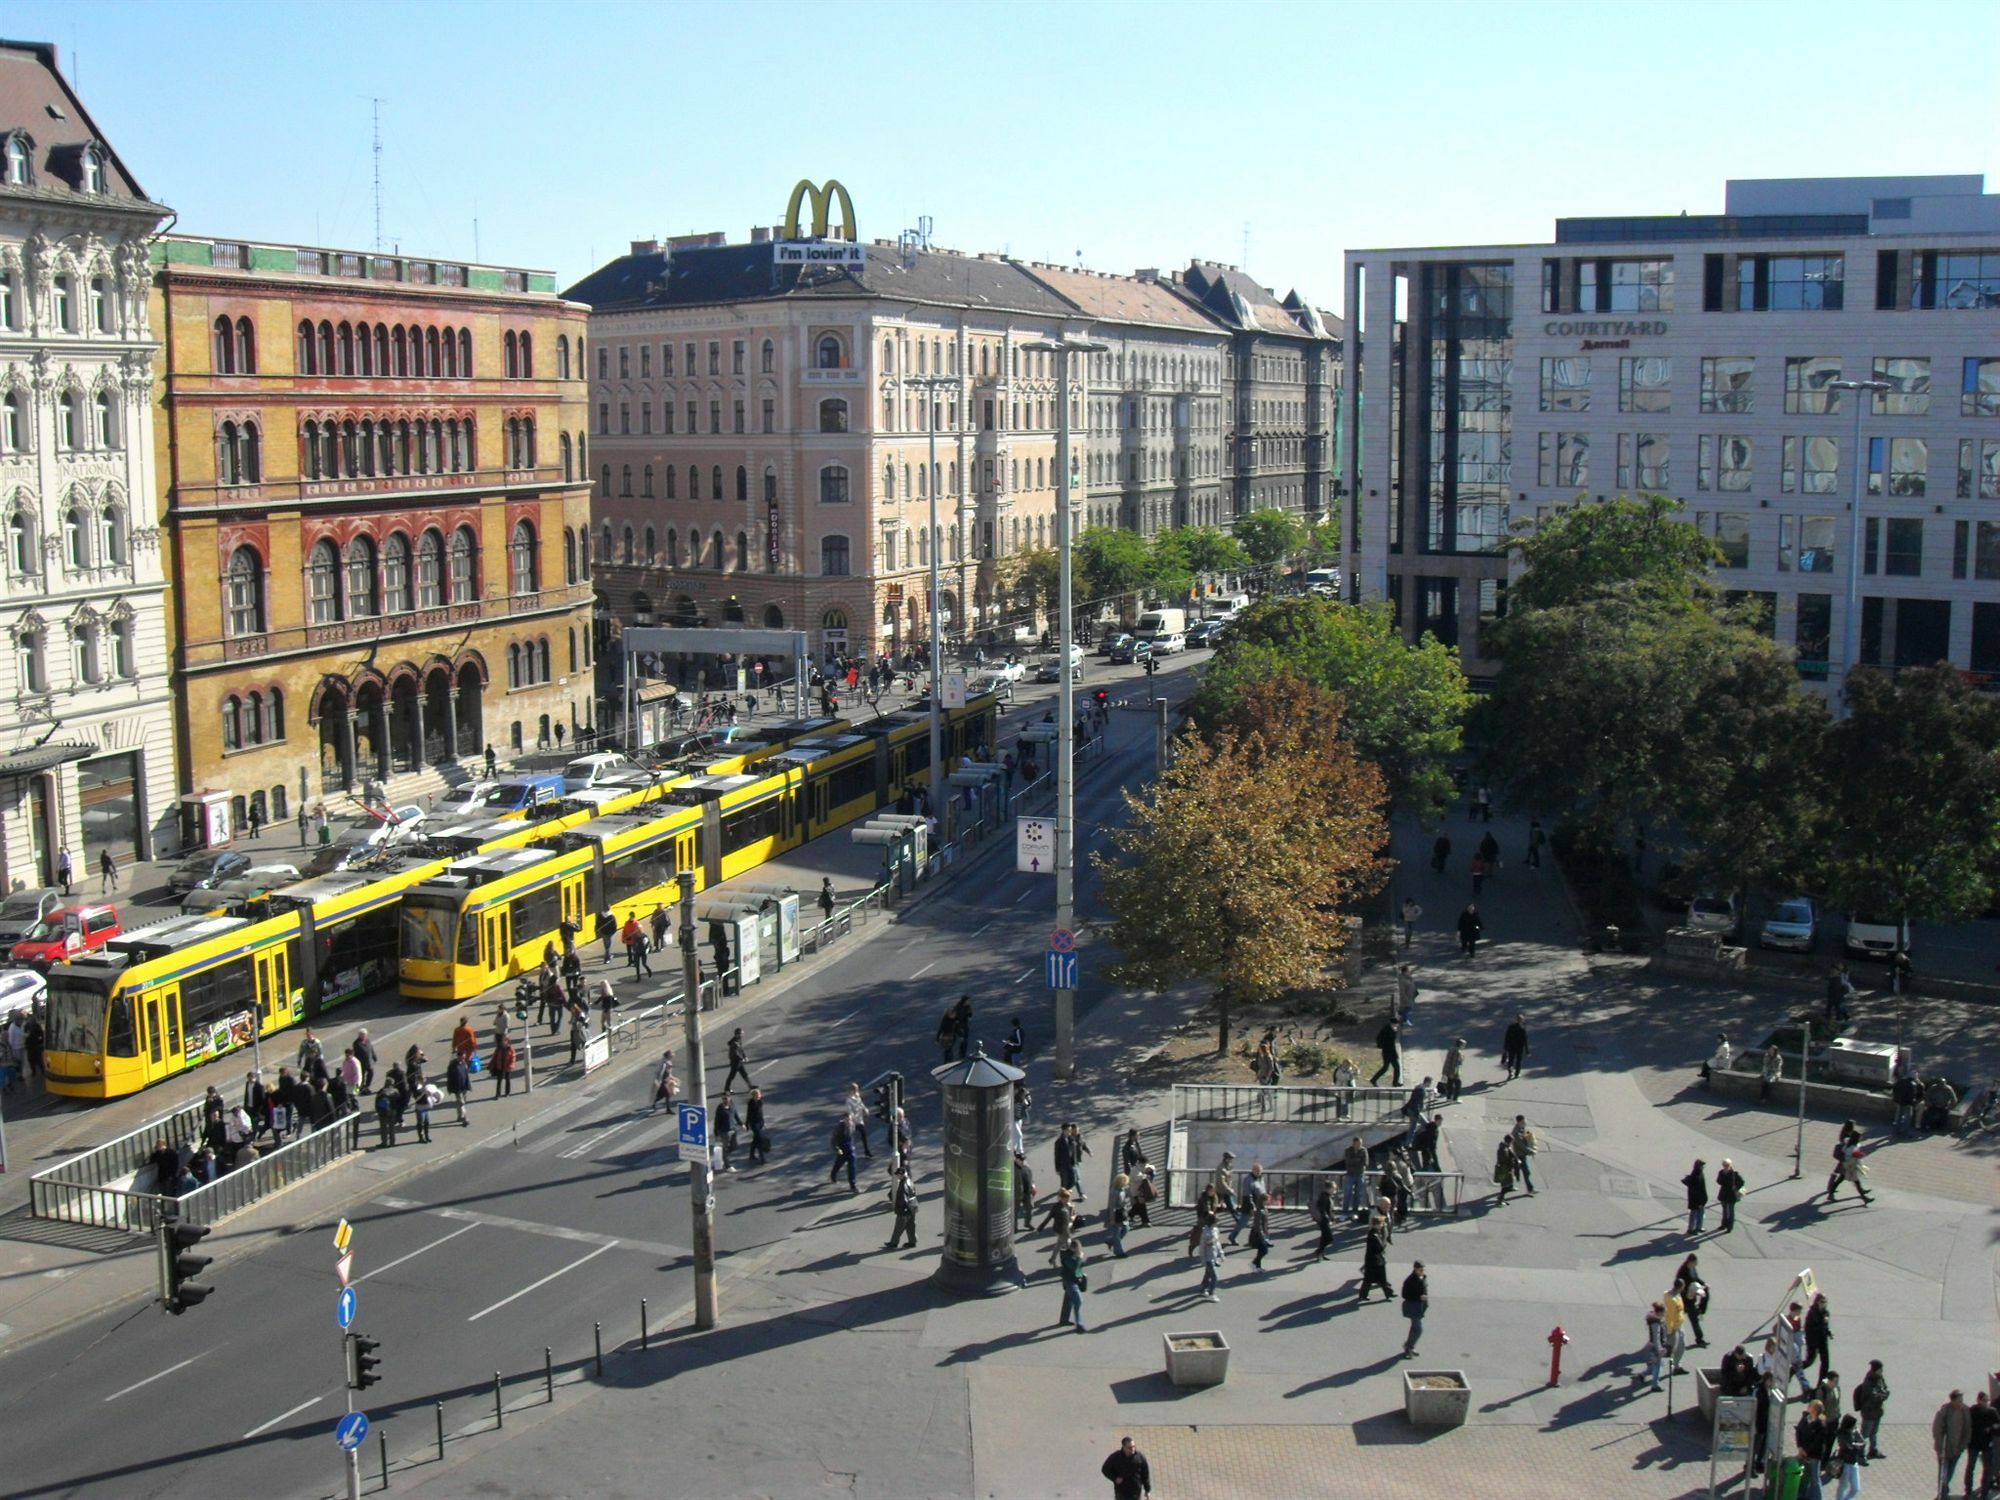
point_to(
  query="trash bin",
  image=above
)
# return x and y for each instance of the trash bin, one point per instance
(1783, 1479)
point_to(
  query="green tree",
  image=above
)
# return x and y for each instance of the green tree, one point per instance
(1403, 707)
(1171, 574)
(1271, 537)
(1036, 575)
(1115, 561)
(1634, 545)
(1211, 550)
(1238, 864)
(1323, 540)
(1914, 786)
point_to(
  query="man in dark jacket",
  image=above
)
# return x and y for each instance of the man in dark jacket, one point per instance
(1514, 1046)
(1131, 1478)
(1389, 1041)
(364, 1053)
(1870, 1399)
(1470, 929)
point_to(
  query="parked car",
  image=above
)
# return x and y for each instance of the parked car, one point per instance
(1713, 914)
(22, 910)
(22, 989)
(458, 801)
(1794, 924)
(66, 932)
(588, 770)
(1050, 670)
(210, 867)
(1132, 650)
(1113, 639)
(1877, 936)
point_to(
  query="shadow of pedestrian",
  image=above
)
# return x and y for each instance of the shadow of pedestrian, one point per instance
(1346, 1377)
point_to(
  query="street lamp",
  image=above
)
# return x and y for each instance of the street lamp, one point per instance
(1063, 348)
(1850, 633)
(933, 384)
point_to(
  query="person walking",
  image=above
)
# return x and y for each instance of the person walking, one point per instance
(1694, 1297)
(1696, 1183)
(1416, 1302)
(1375, 1260)
(843, 1153)
(1536, 839)
(1656, 1343)
(1260, 1230)
(1871, 1399)
(722, 1131)
(1406, 992)
(1525, 1146)
(364, 1053)
(1322, 1212)
(502, 1065)
(857, 1117)
(1130, 1475)
(662, 926)
(903, 1204)
(1354, 1185)
(1222, 1182)
(1478, 874)
(1014, 1044)
(1024, 1194)
(1411, 912)
(107, 867)
(634, 938)
(1772, 1069)
(1440, 853)
(458, 1080)
(1454, 1070)
(607, 931)
(426, 1098)
(1118, 1212)
(1951, 1434)
(739, 1066)
(1069, 1267)
(753, 1121)
(826, 902)
(1071, 1149)
(1984, 1419)
(1814, 1439)
(65, 870)
(1209, 1252)
(1469, 929)
(1514, 1046)
(1505, 1165)
(1389, 1040)
(1849, 1455)
(1819, 1334)
(1728, 1190)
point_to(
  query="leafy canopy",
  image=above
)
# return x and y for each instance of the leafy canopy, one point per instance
(1624, 545)
(1270, 537)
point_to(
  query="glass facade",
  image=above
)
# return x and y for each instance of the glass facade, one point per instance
(1468, 429)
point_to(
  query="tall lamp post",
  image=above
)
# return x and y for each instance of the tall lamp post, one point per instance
(1063, 348)
(931, 385)
(1850, 632)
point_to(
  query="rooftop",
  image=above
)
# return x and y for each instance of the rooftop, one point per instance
(38, 104)
(272, 259)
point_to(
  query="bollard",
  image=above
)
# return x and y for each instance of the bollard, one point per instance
(499, 1412)
(1556, 1341)
(549, 1373)
(384, 1439)
(597, 1333)
(644, 1333)
(440, 1417)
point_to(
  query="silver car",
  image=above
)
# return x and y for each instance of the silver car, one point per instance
(1794, 925)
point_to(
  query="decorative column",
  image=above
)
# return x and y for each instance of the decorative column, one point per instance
(349, 757)
(417, 713)
(451, 750)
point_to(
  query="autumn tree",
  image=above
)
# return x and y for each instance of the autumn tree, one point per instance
(1237, 866)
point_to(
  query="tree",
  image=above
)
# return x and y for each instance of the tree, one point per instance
(1115, 561)
(1271, 537)
(1323, 539)
(1236, 866)
(1210, 550)
(1403, 707)
(1914, 786)
(1583, 550)
(1037, 576)
(1171, 573)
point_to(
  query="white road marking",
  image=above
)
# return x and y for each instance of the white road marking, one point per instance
(978, 930)
(846, 1018)
(414, 1253)
(1024, 974)
(151, 1378)
(589, 1146)
(924, 970)
(558, 1231)
(1024, 895)
(280, 1417)
(542, 1283)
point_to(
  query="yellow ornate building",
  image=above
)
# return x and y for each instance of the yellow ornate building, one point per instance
(373, 492)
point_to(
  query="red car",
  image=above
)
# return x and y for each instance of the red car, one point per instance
(66, 932)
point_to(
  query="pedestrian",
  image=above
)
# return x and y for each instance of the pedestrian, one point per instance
(1453, 1079)
(607, 1005)
(1411, 912)
(1428, 1139)
(502, 1065)
(304, 837)
(1482, 805)
(1024, 1193)
(1069, 1266)
(1951, 1434)
(34, 1046)
(1389, 1042)
(753, 1121)
(1985, 1423)
(1514, 1046)
(1696, 1183)
(900, 1129)
(826, 898)
(389, 1113)
(1772, 1070)
(725, 974)
(1536, 839)
(579, 1029)
(1728, 1190)
(664, 1085)
(1345, 1077)
(1656, 1343)
(1850, 1456)
(961, 1019)
(1871, 1399)
(1223, 1183)
(364, 1053)
(607, 930)
(1478, 885)
(1353, 1187)
(1070, 1151)
(1694, 1296)
(1144, 1192)
(1264, 1066)
(843, 1153)
(64, 869)
(1131, 1155)
(107, 867)
(1440, 852)
(492, 763)
(903, 1204)
(1323, 1212)
(1848, 1165)
(722, 1131)
(1375, 1260)
(1260, 1228)
(1819, 1334)
(1406, 992)
(426, 1098)
(1014, 1044)
(1505, 1164)
(1525, 1146)
(1209, 1252)
(1131, 1478)
(634, 938)
(1416, 1302)
(947, 1033)
(1469, 929)
(1118, 1212)
(857, 1117)
(739, 1065)
(1814, 1439)
(1828, 1394)
(458, 1081)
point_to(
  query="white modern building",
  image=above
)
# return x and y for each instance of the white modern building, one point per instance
(1697, 356)
(86, 747)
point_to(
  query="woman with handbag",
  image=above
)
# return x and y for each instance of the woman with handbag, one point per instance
(502, 1064)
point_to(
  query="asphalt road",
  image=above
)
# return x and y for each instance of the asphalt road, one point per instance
(477, 1265)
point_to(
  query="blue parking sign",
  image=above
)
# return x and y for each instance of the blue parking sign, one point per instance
(694, 1132)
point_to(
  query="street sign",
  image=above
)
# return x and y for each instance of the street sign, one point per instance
(351, 1430)
(343, 1237)
(1035, 846)
(344, 1309)
(344, 1268)
(1063, 941)
(1062, 970)
(954, 690)
(694, 1132)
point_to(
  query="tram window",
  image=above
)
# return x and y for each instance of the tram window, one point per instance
(916, 756)
(153, 1026)
(749, 825)
(468, 938)
(537, 911)
(849, 782)
(639, 870)
(123, 1040)
(211, 994)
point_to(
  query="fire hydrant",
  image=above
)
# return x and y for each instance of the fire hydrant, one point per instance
(1556, 1341)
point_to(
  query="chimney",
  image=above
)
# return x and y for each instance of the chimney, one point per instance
(1148, 273)
(760, 234)
(645, 247)
(708, 241)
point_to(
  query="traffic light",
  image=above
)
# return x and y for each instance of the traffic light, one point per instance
(888, 1091)
(1152, 666)
(1102, 696)
(362, 1361)
(179, 1265)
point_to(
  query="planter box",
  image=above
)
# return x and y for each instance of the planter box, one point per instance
(1196, 1358)
(1436, 1398)
(1707, 1385)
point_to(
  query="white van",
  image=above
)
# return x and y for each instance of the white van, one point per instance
(1228, 607)
(459, 801)
(588, 770)
(1877, 936)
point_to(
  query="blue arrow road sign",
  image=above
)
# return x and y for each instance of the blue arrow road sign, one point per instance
(351, 1430)
(1062, 970)
(344, 1309)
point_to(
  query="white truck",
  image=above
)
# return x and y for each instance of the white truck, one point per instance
(1156, 623)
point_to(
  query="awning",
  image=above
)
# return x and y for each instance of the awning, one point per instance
(656, 692)
(42, 758)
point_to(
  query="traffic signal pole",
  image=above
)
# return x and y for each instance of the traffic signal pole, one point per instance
(701, 1181)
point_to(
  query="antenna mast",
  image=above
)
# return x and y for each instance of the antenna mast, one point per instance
(377, 103)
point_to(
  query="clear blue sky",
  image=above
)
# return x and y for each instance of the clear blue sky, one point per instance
(1136, 134)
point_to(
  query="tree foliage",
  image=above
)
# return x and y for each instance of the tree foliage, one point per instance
(1236, 866)
(1271, 537)
(1624, 545)
(1209, 549)
(1037, 575)
(1403, 707)
(1114, 561)
(1914, 778)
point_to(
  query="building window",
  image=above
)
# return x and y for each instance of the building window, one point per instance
(121, 647)
(1563, 459)
(1625, 286)
(430, 570)
(1727, 383)
(770, 414)
(323, 582)
(833, 485)
(1979, 468)
(1979, 390)
(833, 556)
(1956, 282)
(1566, 382)
(769, 358)
(1903, 557)
(396, 597)
(1808, 385)
(464, 567)
(1909, 382)
(361, 597)
(1643, 462)
(1731, 532)
(1790, 283)
(111, 535)
(1805, 544)
(829, 355)
(1724, 464)
(1811, 466)
(1645, 384)
(19, 161)
(625, 480)
(1908, 466)
(524, 555)
(93, 171)
(22, 552)
(75, 537)
(14, 423)
(1986, 555)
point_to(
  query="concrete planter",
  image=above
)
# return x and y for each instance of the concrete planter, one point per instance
(1196, 1358)
(1707, 1386)
(1436, 1398)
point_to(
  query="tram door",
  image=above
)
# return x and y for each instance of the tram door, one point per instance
(274, 987)
(685, 855)
(572, 893)
(154, 1036)
(499, 947)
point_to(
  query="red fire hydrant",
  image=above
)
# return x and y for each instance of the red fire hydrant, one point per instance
(1556, 1341)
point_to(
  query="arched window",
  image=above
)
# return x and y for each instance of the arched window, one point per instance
(770, 357)
(717, 558)
(513, 666)
(432, 363)
(430, 570)
(93, 170)
(19, 162)
(673, 484)
(223, 352)
(568, 456)
(75, 538)
(232, 723)
(525, 555)
(69, 420)
(562, 356)
(888, 357)
(111, 534)
(652, 546)
(31, 659)
(65, 303)
(889, 481)
(829, 355)
(246, 592)
(13, 423)
(121, 647)
(253, 721)
(604, 481)
(465, 350)
(323, 582)
(742, 551)
(625, 480)
(361, 595)
(627, 551)
(528, 373)
(23, 555)
(646, 482)
(694, 483)
(464, 567)
(509, 355)
(672, 556)
(542, 673)
(569, 555)
(833, 415)
(396, 596)
(742, 483)
(715, 481)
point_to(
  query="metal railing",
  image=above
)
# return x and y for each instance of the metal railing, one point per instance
(235, 1191)
(1294, 1192)
(58, 1192)
(1287, 1105)
(816, 935)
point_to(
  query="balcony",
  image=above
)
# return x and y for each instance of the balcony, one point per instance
(816, 376)
(310, 491)
(377, 627)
